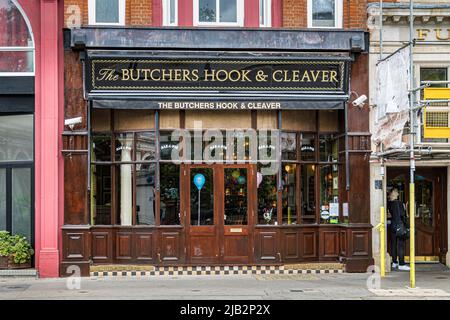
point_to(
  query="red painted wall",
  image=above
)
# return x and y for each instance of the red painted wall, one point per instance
(45, 17)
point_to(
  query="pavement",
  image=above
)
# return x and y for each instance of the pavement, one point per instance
(432, 282)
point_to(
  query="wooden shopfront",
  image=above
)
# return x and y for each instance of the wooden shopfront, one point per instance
(191, 155)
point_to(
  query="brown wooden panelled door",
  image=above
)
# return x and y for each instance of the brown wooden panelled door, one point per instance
(202, 218)
(236, 214)
(430, 207)
(218, 213)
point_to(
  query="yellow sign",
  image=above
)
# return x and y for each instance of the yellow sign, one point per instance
(436, 93)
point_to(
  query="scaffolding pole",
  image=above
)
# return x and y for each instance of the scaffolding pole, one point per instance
(412, 205)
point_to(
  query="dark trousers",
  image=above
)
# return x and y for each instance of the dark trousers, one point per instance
(398, 249)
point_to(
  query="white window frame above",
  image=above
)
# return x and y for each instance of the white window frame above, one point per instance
(268, 14)
(30, 48)
(166, 13)
(338, 8)
(91, 14)
(239, 16)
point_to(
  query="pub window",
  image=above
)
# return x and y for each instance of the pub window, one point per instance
(308, 191)
(106, 12)
(329, 192)
(265, 13)
(123, 168)
(170, 12)
(222, 12)
(267, 197)
(325, 13)
(170, 194)
(290, 194)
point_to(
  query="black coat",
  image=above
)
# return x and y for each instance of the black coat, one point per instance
(398, 213)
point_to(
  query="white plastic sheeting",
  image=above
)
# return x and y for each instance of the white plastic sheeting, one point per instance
(391, 100)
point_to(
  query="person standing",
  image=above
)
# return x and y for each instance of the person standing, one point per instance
(398, 221)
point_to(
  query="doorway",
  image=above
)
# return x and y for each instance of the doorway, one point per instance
(219, 213)
(431, 210)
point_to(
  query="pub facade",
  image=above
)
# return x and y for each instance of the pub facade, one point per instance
(191, 143)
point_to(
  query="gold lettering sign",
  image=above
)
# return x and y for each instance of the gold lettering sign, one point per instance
(436, 34)
(208, 74)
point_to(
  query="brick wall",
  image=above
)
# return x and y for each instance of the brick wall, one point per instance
(137, 12)
(295, 14)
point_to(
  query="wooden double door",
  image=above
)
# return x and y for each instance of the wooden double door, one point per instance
(219, 213)
(431, 209)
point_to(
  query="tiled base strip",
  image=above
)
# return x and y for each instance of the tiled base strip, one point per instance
(223, 270)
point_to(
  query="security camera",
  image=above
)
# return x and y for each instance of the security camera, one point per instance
(359, 102)
(72, 122)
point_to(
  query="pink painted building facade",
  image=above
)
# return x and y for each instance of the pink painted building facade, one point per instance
(31, 117)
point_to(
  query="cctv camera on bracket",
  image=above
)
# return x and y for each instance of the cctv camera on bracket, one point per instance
(360, 100)
(72, 122)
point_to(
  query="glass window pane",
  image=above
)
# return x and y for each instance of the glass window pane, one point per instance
(172, 11)
(307, 147)
(289, 174)
(228, 10)
(107, 11)
(267, 198)
(235, 207)
(124, 194)
(14, 31)
(170, 194)
(21, 202)
(261, 12)
(434, 74)
(2, 199)
(424, 200)
(323, 13)
(202, 197)
(101, 195)
(145, 193)
(16, 137)
(167, 144)
(329, 192)
(145, 146)
(207, 10)
(289, 146)
(16, 61)
(124, 147)
(102, 148)
(328, 148)
(308, 184)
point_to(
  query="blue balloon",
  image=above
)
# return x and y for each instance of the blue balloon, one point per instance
(241, 180)
(199, 180)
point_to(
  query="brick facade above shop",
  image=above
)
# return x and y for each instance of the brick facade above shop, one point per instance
(284, 13)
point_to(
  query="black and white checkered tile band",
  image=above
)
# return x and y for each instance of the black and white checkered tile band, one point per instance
(222, 270)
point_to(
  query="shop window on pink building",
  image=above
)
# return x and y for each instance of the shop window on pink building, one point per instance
(16, 41)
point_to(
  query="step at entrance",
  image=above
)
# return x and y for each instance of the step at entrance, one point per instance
(139, 271)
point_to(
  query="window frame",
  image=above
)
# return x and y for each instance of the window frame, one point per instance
(239, 15)
(166, 13)
(30, 48)
(267, 18)
(92, 14)
(417, 74)
(338, 18)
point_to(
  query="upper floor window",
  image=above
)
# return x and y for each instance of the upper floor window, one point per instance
(107, 12)
(218, 12)
(170, 12)
(325, 13)
(265, 13)
(16, 41)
